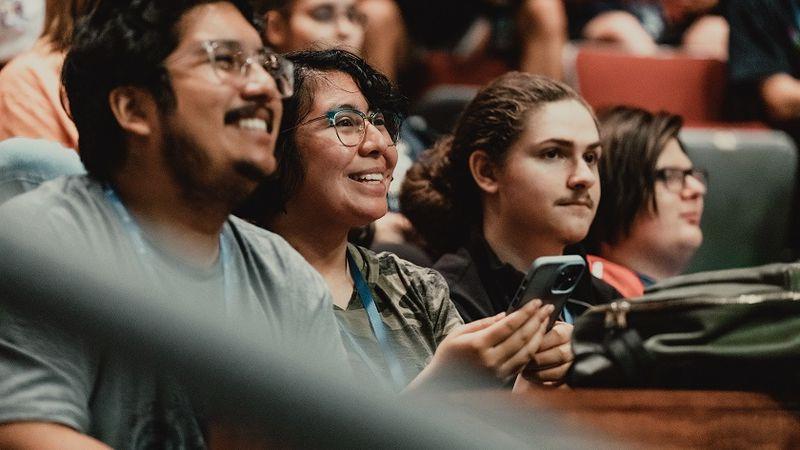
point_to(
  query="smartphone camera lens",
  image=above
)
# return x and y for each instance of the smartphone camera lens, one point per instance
(567, 278)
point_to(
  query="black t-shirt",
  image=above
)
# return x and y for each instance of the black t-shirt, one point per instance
(764, 41)
(481, 285)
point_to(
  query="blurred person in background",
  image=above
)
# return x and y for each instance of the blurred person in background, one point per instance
(178, 105)
(31, 102)
(21, 23)
(517, 180)
(530, 34)
(640, 26)
(647, 226)
(764, 66)
(292, 25)
(336, 157)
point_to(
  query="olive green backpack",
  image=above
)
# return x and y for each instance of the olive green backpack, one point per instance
(728, 329)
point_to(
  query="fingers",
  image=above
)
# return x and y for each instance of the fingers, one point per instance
(551, 376)
(481, 324)
(516, 351)
(504, 328)
(560, 333)
(553, 357)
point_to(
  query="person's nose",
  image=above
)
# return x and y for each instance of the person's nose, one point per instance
(345, 27)
(260, 84)
(376, 144)
(693, 188)
(583, 176)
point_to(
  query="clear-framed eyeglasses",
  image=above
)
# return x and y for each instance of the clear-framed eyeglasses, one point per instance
(675, 178)
(351, 125)
(232, 65)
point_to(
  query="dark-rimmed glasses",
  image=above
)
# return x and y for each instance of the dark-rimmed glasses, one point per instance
(675, 178)
(351, 125)
(232, 65)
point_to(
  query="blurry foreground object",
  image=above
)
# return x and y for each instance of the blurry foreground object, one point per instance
(235, 375)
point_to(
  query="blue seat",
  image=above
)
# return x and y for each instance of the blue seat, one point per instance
(26, 163)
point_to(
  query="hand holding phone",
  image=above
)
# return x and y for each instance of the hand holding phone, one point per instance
(550, 279)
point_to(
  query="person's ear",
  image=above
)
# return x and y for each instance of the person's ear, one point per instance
(484, 171)
(277, 29)
(134, 108)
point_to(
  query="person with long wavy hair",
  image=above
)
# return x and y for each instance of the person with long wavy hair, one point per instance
(517, 180)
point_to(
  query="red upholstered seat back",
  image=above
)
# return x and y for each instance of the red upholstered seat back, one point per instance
(690, 86)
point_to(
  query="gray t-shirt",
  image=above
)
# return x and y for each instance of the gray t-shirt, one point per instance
(47, 374)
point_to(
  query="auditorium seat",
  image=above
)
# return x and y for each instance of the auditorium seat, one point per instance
(749, 204)
(690, 86)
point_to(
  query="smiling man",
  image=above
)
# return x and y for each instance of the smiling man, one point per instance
(177, 106)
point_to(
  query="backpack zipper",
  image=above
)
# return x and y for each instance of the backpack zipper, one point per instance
(616, 313)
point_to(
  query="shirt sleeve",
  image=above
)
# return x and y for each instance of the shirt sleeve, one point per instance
(46, 374)
(442, 311)
(759, 41)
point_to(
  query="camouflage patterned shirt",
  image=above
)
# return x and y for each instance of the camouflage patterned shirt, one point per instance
(414, 303)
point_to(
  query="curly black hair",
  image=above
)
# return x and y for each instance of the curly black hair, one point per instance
(310, 68)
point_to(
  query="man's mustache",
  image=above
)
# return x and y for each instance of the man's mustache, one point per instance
(584, 200)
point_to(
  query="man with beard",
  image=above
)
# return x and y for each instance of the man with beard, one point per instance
(177, 105)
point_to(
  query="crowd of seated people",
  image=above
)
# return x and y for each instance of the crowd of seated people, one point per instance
(336, 158)
(214, 162)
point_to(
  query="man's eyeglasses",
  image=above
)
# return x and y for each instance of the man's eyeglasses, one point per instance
(675, 179)
(351, 125)
(232, 65)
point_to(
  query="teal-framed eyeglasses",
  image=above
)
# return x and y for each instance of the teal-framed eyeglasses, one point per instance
(232, 65)
(351, 125)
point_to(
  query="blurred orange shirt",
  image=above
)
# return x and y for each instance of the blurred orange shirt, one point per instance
(623, 279)
(30, 100)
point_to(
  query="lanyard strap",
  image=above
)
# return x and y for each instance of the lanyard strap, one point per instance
(378, 327)
(133, 230)
(567, 315)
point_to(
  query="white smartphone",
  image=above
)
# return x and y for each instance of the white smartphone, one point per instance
(551, 279)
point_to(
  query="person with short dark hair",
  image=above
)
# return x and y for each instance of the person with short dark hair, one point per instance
(517, 180)
(647, 226)
(336, 156)
(177, 105)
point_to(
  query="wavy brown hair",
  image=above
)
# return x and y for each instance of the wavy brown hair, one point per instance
(439, 194)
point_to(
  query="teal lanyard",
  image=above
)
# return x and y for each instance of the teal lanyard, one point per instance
(135, 233)
(566, 314)
(378, 327)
